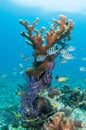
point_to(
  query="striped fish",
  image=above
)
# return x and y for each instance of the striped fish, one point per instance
(40, 58)
(54, 49)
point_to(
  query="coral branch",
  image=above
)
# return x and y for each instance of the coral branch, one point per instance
(59, 30)
(35, 39)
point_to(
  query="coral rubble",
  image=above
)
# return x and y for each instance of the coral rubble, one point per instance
(35, 109)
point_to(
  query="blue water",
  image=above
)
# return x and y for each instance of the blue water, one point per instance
(11, 43)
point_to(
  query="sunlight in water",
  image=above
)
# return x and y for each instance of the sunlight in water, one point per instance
(54, 5)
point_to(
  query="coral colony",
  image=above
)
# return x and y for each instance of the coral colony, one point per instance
(36, 110)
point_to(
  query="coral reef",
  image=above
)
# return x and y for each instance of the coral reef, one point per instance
(35, 109)
(73, 97)
(59, 122)
(67, 116)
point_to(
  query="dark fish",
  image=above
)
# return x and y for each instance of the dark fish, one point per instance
(56, 77)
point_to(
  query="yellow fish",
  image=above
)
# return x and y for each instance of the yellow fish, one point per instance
(62, 79)
(19, 93)
(54, 105)
(17, 114)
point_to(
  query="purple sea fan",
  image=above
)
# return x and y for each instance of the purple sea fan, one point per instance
(47, 77)
(51, 65)
(35, 87)
(35, 84)
(34, 112)
(26, 97)
(51, 90)
(29, 96)
(23, 110)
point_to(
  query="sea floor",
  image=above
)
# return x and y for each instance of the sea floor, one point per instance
(10, 101)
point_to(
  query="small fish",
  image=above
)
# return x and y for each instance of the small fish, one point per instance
(3, 76)
(70, 48)
(63, 51)
(19, 93)
(18, 68)
(83, 58)
(21, 72)
(52, 50)
(20, 65)
(17, 114)
(82, 68)
(56, 77)
(25, 57)
(68, 56)
(54, 105)
(63, 60)
(40, 58)
(61, 79)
